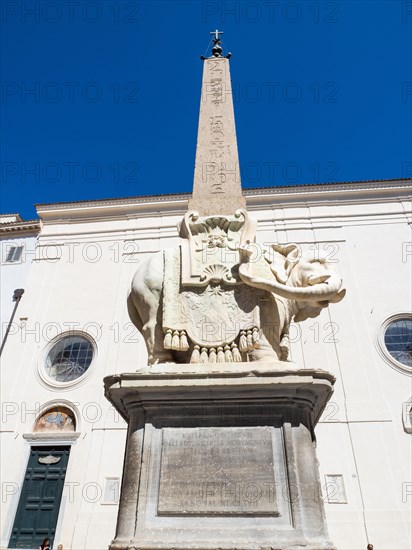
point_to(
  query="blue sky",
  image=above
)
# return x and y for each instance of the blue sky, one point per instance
(101, 99)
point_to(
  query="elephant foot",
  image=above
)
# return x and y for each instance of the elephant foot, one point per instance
(284, 348)
(259, 356)
(284, 353)
(161, 358)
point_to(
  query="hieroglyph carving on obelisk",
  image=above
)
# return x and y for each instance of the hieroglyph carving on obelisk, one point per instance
(217, 187)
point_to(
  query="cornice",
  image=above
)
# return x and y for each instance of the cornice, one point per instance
(12, 215)
(330, 189)
(176, 204)
(21, 227)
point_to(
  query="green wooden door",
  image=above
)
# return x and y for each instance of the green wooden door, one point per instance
(39, 503)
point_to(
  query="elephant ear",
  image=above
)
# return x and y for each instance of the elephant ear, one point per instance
(282, 258)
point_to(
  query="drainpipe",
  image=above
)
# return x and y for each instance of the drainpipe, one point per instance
(17, 294)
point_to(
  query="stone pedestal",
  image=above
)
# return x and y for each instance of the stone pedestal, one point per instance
(221, 457)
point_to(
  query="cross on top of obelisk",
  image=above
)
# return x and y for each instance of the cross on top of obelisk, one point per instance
(217, 48)
(216, 33)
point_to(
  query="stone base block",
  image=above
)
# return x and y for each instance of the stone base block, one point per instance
(221, 457)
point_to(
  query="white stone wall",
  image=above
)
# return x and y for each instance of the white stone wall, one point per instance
(13, 274)
(80, 278)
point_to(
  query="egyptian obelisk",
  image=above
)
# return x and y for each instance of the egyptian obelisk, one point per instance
(217, 187)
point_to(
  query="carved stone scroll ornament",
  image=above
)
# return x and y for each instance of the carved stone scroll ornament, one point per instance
(210, 247)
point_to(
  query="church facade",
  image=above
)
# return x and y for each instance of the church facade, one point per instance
(86, 255)
(63, 442)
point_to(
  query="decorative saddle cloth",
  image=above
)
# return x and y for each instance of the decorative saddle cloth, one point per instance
(217, 321)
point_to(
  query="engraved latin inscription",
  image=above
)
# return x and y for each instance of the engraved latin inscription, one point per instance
(217, 471)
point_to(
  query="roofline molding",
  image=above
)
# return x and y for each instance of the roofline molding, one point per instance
(21, 227)
(176, 203)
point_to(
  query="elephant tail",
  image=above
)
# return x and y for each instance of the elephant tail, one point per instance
(133, 313)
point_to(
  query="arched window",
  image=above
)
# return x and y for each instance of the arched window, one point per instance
(56, 419)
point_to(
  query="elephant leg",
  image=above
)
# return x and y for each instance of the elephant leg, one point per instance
(144, 311)
(153, 335)
(144, 329)
(149, 331)
(284, 347)
(264, 353)
(154, 341)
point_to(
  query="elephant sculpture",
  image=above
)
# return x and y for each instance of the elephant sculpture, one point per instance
(283, 286)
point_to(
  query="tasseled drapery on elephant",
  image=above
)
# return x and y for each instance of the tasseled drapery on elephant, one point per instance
(294, 288)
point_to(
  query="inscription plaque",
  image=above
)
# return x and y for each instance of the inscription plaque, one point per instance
(217, 471)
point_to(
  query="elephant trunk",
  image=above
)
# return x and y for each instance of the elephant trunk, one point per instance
(325, 291)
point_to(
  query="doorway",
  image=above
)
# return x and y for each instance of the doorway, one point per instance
(39, 504)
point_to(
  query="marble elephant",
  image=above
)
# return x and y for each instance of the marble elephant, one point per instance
(297, 288)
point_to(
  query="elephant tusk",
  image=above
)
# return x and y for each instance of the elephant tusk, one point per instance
(319, 279)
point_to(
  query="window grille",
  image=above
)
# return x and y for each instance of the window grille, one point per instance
(398, 341)
(14, 254)
(69, 358)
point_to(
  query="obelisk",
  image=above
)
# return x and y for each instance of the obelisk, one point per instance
(217, 187)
